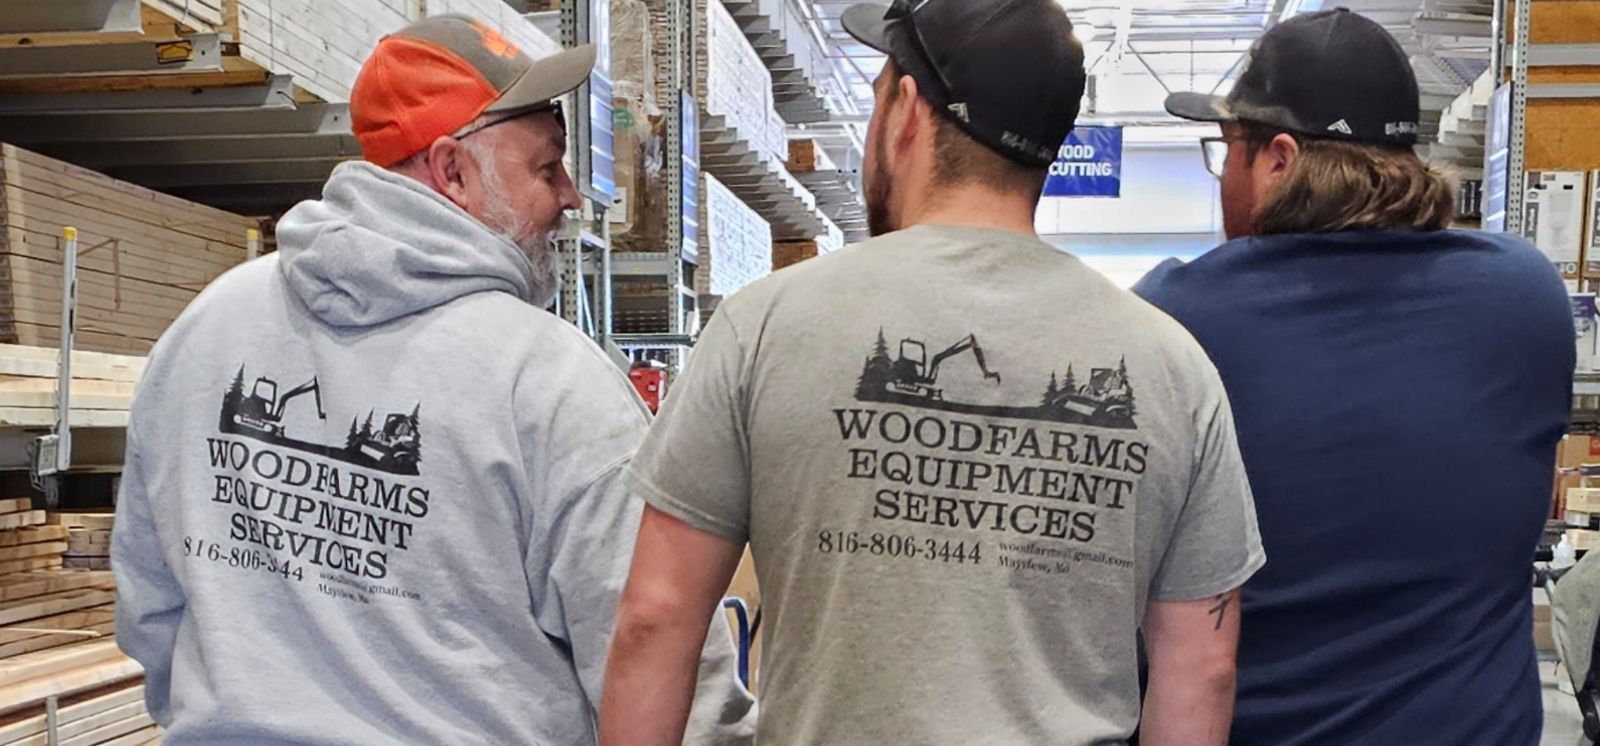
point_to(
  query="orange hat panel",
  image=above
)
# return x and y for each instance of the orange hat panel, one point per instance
(410, 93)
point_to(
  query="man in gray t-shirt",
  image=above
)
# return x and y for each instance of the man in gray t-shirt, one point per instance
(969, 468)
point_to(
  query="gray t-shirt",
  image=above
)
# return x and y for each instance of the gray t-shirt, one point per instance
(964, 462)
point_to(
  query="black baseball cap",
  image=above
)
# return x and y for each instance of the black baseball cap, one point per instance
(1334, 75)
(1009, 73)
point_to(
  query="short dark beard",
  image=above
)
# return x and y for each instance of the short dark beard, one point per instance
(879, 192)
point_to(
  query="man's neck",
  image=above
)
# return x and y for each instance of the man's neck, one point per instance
(973, 207)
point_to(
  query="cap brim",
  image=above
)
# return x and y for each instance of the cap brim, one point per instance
(548, 78)
(866, 23)
(1199, 107)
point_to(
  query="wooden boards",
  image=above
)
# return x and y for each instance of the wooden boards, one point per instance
(32, 535)
(89, 547)
(89, 709)
(46, 663)
(32, 692)
(57, 632)
(24, 609)
(323, 44)
(31, 585)
(22, 520)
(737, 246)
(102, 389)
(143, 256)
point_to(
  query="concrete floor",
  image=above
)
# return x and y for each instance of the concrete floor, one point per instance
(1563, 726)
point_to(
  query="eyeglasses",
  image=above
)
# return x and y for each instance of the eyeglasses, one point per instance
(1215, 151)
(553, 107)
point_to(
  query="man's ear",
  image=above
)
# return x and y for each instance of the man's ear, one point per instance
(913, 112)
(445, 164)
(1281, 153)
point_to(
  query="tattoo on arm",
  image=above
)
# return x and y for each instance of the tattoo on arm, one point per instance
(1220, 610)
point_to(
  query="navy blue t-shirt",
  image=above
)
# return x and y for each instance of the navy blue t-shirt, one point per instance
(1398, 397)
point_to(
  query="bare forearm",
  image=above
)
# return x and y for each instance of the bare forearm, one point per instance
(650, 682)
(678, 574)
(1192, 671)
(1192, 708)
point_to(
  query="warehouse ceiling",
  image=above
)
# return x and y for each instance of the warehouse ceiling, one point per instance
(1140, 50)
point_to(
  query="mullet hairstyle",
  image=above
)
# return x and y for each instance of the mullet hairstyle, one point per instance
(1335, 186)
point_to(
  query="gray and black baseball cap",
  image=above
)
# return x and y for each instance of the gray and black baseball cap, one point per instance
(1009, 73)
(1333, 74)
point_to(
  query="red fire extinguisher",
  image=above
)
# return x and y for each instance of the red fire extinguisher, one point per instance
(650, 380)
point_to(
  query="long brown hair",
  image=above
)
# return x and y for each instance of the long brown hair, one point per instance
(1337, 186)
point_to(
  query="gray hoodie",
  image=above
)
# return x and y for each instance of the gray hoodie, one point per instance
(372, 496)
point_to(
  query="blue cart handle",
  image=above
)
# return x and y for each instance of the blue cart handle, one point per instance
(742, 612)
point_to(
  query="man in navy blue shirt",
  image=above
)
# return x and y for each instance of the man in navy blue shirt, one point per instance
(1399, 390)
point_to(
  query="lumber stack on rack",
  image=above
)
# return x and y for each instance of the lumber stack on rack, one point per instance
(99, 691)
(743, 141)
(56, 640)
(835, 189)
(88, 539)
(734, 83)
(102, 387)
(738, 244)
(323, 44)
(143, 255)
(26, 544)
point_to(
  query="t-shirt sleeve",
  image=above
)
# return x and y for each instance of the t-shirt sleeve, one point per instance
(1155, 284)
(695, 463)
(1216, 545)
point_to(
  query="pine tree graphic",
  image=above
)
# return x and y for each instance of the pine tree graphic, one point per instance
(416, 429)
(1071, 385)
(878, 371)
(236, 391)
(366, 428)
(231, 401)
(1051, 392)
(1127, 386)
(353, 440)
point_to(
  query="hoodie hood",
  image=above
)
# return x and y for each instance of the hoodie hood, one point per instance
(379, 246)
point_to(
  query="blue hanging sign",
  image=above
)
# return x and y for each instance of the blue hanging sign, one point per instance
(1089, 165)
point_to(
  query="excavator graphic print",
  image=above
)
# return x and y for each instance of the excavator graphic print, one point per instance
(261, 413)
(912, 378)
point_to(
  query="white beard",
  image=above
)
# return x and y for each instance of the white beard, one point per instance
(538, 246)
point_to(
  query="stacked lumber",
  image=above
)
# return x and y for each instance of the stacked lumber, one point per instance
(737, 249)
(49, 609)
(26, 544)
(323, 44)
(736, 84)
(102, 387)
(790, 253)
(730, 80)
(111, 715)
(56, 640)
(99, 692)
(88, 539)
(143, 255)
(835, 190)
(198, 14)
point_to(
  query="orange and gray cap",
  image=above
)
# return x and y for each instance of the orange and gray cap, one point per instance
(438, 75)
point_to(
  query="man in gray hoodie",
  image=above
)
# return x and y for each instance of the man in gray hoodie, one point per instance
(372, 492)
